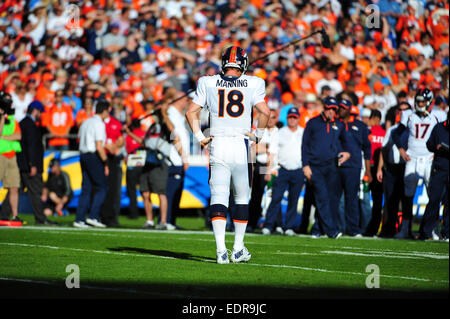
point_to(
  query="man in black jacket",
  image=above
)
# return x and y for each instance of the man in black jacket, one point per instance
(322, 153)
(438, 191)
(31, 159)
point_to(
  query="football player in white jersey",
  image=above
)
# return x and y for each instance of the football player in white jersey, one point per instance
(229, 97)
(419, 124)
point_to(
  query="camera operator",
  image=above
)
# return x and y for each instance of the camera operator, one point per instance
(10, 135)
(133, 172)
(155, 172)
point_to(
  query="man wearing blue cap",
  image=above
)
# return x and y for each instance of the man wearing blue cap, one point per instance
(350, 171)
(322, 152)
(31, 160)
(288, 154)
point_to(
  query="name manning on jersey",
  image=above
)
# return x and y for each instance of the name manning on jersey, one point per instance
(231, 84)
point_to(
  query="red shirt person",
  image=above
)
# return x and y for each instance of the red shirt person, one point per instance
(376, 137)
(114, 136)
(131, 145)
(113, 146)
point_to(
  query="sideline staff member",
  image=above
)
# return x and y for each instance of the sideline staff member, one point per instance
(30, 161)
(321, 145)
(438, 144)
(10, 135)
(290, 175)
(94, 168)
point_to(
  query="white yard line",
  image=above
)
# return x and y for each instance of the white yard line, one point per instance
(373, 253)
(350, 253)
(115, 230)
(248, 264)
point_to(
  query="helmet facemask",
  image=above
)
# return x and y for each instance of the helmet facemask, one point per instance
(423, 95)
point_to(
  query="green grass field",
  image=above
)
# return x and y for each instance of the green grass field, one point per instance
(129, 262)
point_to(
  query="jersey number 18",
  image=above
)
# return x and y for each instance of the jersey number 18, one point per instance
(234, 106)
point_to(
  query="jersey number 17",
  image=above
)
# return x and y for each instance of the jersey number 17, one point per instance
(426, 126)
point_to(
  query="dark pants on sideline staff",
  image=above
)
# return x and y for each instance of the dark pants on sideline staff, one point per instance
(438, 186)
(376, 189)
(175, 184)
(393, 183)
(292, 180)
(111, 208)
(34, 186)
(94, 180)
(308, 202)
(324, 180)
(258, 185)
(132, 178)
(348, 183)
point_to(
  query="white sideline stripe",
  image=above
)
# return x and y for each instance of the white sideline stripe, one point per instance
(131, 291)
(116, 230)
(371, 253)
(178, 232)
(66, 230)
(414, 253)
(347, 272)
(393, 251)
(249, 264)
(347, 253)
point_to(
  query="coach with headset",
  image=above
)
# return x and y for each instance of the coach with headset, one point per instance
(322, 152)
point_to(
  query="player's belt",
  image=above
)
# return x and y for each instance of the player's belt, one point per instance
(229, 132)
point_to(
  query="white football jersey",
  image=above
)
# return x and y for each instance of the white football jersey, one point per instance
(230, 102)
(419, 131)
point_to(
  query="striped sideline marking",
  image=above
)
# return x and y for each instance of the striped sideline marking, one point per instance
(205, 260)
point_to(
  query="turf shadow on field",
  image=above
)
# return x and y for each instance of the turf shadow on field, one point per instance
(163, 253)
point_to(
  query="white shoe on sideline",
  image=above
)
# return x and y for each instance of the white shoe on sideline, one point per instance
(170, 227)
(435, 235)
(289, 232)
(279, 231)
(265, 231)
(80, 225)
(338, 235)
(94, 223)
